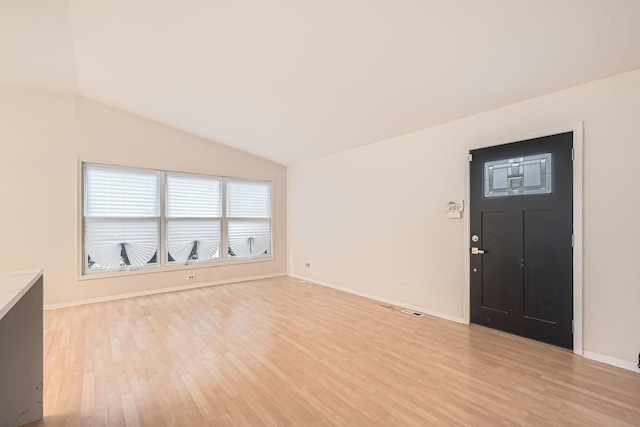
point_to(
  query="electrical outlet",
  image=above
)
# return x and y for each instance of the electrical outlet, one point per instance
(191, 277)
(402, 283)
(307, 264)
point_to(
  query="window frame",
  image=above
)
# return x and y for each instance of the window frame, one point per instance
(227, 218)
(162, 263)
(84, 219)
(165, 219)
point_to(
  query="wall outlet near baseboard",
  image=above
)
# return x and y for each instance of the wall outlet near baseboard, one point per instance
(191, 277)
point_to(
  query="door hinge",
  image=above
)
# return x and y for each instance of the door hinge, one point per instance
(470, 157)
(573, 326)
(573, 240)
(573, 154)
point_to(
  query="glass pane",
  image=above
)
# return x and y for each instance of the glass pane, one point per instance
(193, 196)
(518, 176)
(248, 199)
(193, 240)
(114, 244)
(120, 192)
(249, 239)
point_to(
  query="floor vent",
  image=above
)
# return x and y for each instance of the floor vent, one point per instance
(412, 313)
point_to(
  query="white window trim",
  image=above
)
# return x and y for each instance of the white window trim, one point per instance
(227, 219)
(165, 219)
(84, 266)
(162, 265)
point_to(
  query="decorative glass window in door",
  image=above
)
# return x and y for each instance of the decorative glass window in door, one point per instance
(520, 176)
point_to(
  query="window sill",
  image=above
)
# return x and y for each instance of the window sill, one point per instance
(169, 268)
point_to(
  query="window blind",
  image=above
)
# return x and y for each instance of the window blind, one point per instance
(193, 196)
(193, 217)
(123, 220)
(105, 241)
(120, 192)
(202, 237)
(121, 216)
(248, 199)
(249, 223)
(249, 239)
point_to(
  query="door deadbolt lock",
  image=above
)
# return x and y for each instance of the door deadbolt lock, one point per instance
(475, 238)
(476, 251)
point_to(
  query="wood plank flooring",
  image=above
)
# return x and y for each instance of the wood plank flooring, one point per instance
(279, 353)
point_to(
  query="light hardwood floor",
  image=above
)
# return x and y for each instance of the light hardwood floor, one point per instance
(279, 353)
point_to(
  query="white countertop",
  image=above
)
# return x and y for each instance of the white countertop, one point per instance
(13, 286)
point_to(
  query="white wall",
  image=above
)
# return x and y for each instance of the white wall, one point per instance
(369, 217)
(42, 139)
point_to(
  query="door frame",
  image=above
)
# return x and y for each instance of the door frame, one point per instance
(577, 129)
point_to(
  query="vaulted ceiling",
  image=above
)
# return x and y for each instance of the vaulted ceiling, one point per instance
(292, 80)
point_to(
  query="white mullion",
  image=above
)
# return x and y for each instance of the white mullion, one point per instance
(255, 219)
(270, 238)
(271, 219)
(163, 258)
(194, 218)
(224, 224)
(120, 218)
(85, 255)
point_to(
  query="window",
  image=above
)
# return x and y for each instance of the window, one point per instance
(121, 218)
(193, 218)
(517, 177)
(124, 221)
(249, 219)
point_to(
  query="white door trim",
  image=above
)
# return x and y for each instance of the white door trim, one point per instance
(577, 129)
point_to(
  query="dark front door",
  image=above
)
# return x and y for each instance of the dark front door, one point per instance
(522, 238)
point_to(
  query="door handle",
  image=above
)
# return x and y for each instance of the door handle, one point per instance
(476, 251)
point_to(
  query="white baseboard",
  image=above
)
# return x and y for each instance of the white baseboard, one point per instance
(624, 364)
(159, 291)
(385, 300)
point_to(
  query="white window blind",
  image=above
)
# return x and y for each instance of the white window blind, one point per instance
(249, 239)
(249, 219)
(193, 217)
(120, 192)
(124, 222)
(121, 215)
(193, 196)
(248, 199)
(114, 244)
